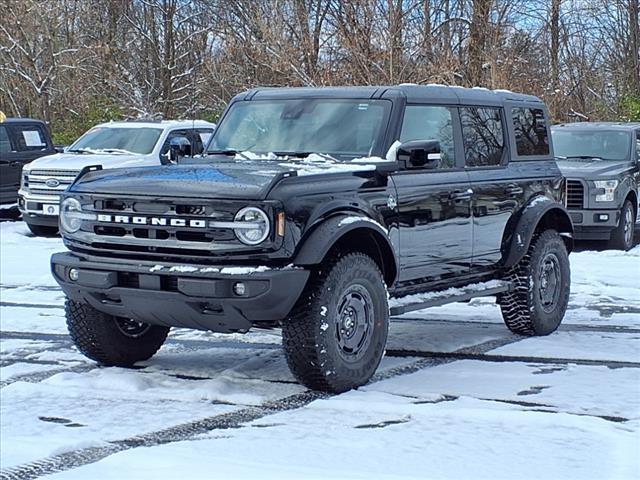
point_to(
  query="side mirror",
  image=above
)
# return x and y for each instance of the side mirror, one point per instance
(419, 154)
(179, 147)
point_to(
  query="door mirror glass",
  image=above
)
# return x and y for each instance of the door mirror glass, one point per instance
(179, 147)
(420, 154)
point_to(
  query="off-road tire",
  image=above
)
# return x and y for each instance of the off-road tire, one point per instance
(43, 230)
(523, 309)
(98, 337)
(622, 235)
(311, 334)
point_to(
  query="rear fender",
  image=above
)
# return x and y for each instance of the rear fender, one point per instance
(541, 213)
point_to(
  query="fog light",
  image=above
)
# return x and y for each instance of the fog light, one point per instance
(74, 274)
(603, 217)
(239, 288)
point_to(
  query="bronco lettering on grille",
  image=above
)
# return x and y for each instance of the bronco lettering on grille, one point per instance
(158, 221)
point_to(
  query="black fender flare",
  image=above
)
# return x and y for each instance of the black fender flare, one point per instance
(541, 211)
(321, 238)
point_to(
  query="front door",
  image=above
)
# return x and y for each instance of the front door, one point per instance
(434, 205)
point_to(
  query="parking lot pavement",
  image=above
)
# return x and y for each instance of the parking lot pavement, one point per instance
(457, 395)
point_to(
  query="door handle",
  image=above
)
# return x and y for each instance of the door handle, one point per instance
(513, 190)
(461, 195)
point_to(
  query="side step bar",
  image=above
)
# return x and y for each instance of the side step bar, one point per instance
(418, 301)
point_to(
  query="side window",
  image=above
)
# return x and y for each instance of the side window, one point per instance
(483, 136)
(423, 122)
(5, 142)
(638, 145)
(164, 151)
(531, 132)
(30, 138)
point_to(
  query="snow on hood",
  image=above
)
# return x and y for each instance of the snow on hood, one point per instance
(320, 163)
(77, 161)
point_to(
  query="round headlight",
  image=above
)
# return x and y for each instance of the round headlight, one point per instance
(252, 226)
(70, 215)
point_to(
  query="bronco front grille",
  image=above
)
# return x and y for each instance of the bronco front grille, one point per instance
(575, 195)
(49, 182)
(160, 227)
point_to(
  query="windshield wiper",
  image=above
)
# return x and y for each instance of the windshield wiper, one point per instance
(117, 150)
(228, 153)
(585, 157)
(305, 155)
(81, 150)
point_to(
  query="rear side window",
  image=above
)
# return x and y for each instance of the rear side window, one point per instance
(30, 138)
(530, 126)
(638, 145)
(423, 122)
(483, 136)
(5, 143)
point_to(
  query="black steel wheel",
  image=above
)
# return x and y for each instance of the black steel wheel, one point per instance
(112, 341)
(334, 338)
(542, 280)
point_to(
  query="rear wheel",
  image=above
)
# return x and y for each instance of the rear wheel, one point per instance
(537, 304)
(622, 236)
(42, 230)
(335, 336)
(109, 340)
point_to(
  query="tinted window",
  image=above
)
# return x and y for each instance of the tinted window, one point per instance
(530, 128)
(5, 143)
(30, 138)
(483, 136)
(430, 123)
(343, 128)
(591, 144)
(638, 145)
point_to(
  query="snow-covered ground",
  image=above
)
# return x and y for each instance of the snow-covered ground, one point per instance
(457, 396)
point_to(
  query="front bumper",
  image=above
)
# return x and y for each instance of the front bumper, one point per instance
(39, 209)
(594, 224)
(197, 297)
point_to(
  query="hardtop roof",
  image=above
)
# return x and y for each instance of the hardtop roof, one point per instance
(412, 92)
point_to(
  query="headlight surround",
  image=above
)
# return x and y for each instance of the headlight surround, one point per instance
(252, 225)
(609, 187)
(72, 215)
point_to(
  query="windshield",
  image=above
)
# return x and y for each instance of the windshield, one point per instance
(611, 145)
(340, 128)
(140, 140)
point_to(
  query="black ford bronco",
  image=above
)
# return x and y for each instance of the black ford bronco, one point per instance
(601, 161)
(312, 209)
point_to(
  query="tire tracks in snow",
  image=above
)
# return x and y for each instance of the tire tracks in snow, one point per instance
(236, 419)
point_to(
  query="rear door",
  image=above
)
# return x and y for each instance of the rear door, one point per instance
(434, 205)
(495, 195)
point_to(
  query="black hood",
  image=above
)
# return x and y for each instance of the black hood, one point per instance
(224, 180)
(593, 169)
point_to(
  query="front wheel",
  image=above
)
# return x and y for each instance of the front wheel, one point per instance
(542, 279)
(109, 340)
(335, 336)
(622, 236)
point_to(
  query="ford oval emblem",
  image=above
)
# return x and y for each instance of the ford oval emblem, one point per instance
(52, 182)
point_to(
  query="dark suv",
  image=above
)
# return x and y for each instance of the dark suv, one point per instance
(601, 162)
(313, 207)
(21, 141)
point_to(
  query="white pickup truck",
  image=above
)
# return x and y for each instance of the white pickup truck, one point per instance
(111, 145)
